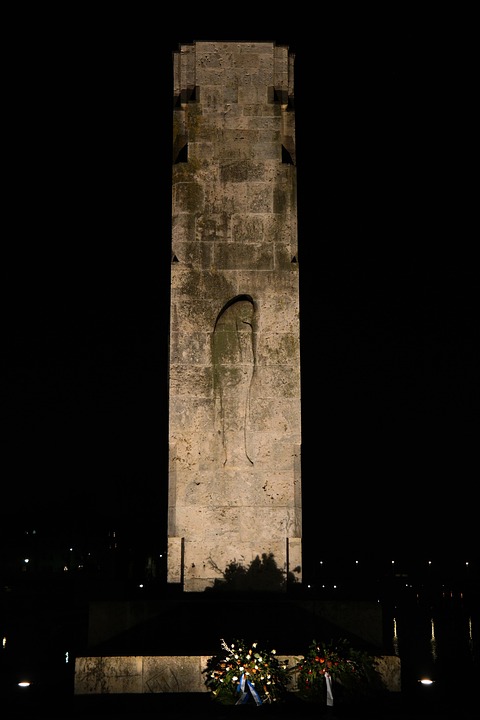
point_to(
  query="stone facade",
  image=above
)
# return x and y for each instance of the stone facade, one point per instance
(234, 354)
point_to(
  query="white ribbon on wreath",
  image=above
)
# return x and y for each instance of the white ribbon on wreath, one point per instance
(328, 681)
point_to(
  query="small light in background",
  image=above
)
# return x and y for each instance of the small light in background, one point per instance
(426, 681)
(24, 683)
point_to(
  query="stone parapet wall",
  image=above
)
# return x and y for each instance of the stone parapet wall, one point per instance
(179, 673)
(139, 674)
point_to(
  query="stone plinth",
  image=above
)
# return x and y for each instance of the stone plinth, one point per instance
(172, 674)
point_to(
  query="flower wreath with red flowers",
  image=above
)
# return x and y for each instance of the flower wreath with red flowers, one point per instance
(351, 671)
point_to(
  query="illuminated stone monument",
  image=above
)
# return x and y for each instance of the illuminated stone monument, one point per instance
(234, 361)
(234, 392)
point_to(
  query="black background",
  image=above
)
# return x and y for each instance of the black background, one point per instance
(389, 290)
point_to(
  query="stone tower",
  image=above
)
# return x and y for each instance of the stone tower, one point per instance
(234, 353)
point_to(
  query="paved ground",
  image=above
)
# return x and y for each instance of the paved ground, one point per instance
(201, 707)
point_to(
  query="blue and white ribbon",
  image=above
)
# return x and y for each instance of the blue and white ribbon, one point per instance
(245, 687)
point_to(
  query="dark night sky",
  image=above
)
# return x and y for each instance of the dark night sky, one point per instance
(389, 322)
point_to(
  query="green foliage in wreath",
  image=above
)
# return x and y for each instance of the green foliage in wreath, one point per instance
(352, 672)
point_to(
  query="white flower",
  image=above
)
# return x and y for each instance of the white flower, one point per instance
(234, 678)
(274, 652)
(241, 668)
(254, 645)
